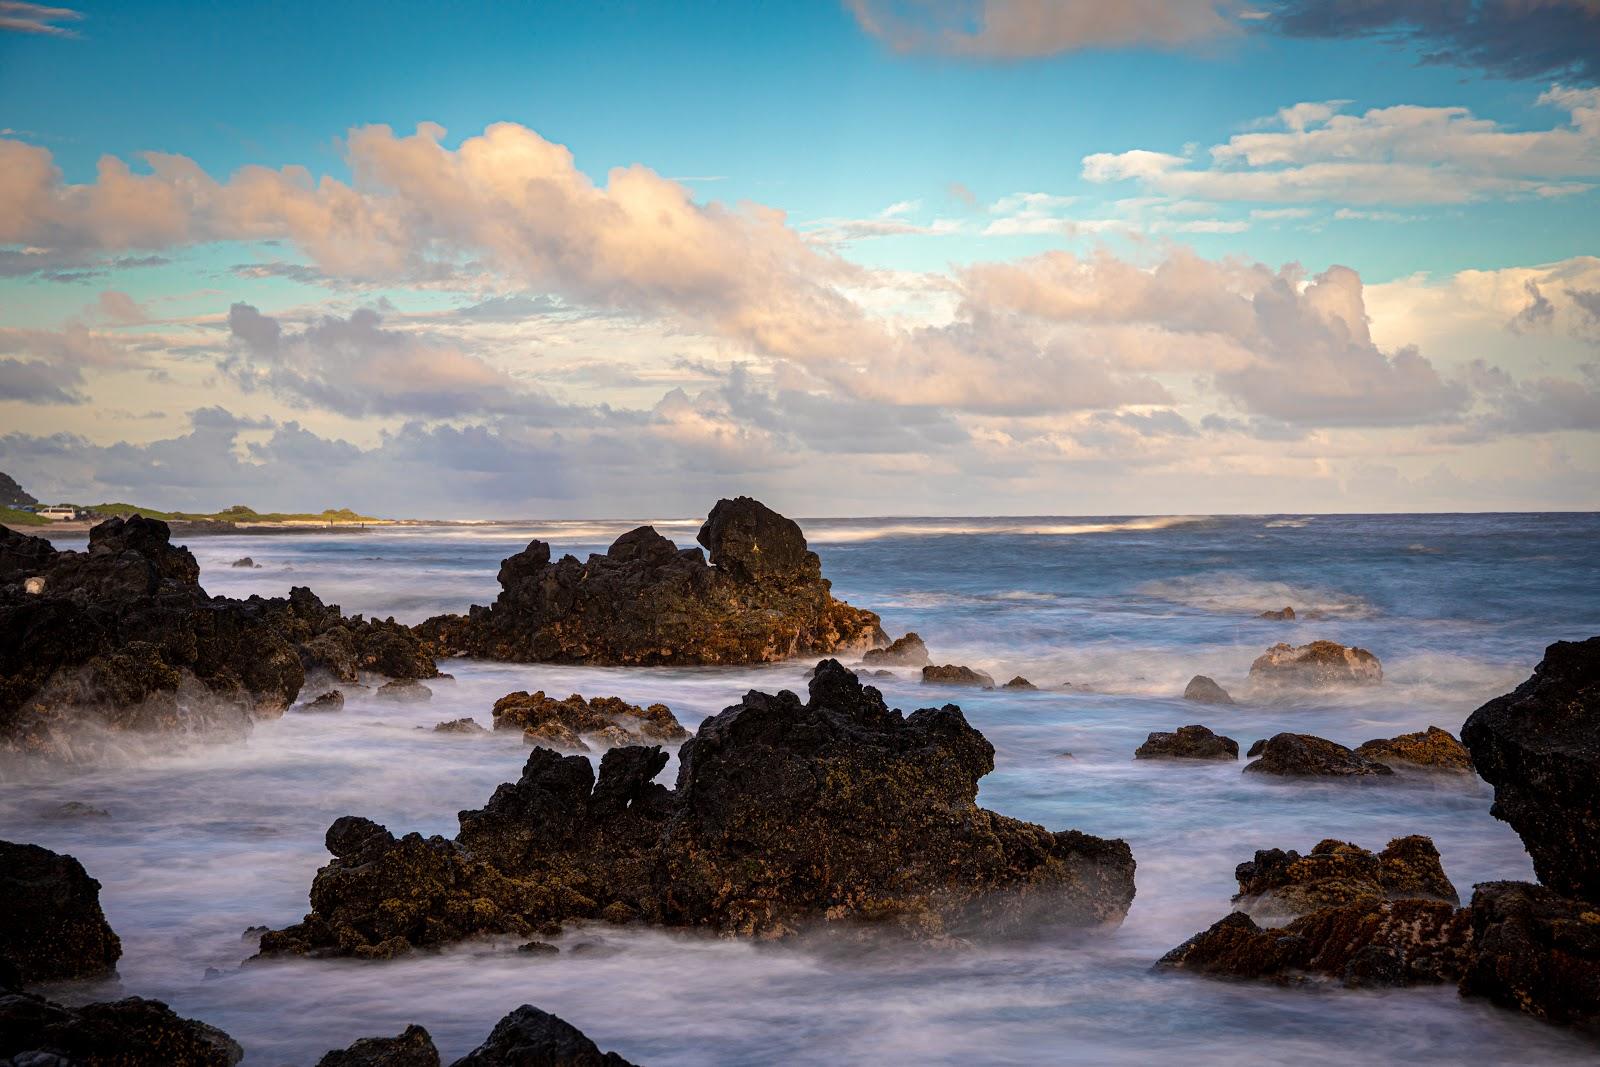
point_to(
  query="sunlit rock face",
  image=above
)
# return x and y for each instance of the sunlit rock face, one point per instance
(760, 598)
(1318, 665)
(122, 637)
(836, 812)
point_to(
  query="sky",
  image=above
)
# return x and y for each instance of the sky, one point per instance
(871, 257)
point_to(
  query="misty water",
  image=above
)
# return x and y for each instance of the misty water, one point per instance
(201, 843)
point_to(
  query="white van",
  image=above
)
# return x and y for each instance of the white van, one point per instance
(58, 513)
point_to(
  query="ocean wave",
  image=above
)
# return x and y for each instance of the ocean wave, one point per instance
(1231, 594)
(820, 532)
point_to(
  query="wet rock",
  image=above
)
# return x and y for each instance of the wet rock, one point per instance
(1019, 682)
(51, 925)
(459, 726)
(413, 1047)
(880, 674)
(539, 948)
(245, 562)
(1432, 748)
(75, 809)
(1319, 665)
(1305, 756)
(1203, 690)
(529, 1037)
(332, 700)
(1279, 883)
(564, 723)
(951, 674)
(123, 637)
(404, 691)
(907, 651)
(1366, 943)
(1286, 615)
(761, 598)
(1539, 746)
(134, 1032)
(1256, 748)
(1188, 742)
(1537, 952)
(856, 812)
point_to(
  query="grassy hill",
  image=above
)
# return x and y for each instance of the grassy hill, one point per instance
(239, 513)
(14, 517)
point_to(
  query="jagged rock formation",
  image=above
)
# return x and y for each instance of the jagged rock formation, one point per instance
(1308, 756)
(785, 814)
(952, 674)
(761, 598)
(907, 651)
(35, 1032)
(1432, 748)
(1319, 665)
(1279, 883)
(122, 636)
(13, 495)
(1539, 746)
(459, 726)
(51, 925)
(1019, 682)
(1203, 690)
(1284, 615)
(563, 724)
(1536, 951)
(1188, 742)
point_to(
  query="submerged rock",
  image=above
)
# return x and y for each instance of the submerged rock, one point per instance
(51, 925)
(1537, 952)
(459, 726)
(1188, 742)
(951, 674)
(1286, 615)
(1307, 756)
(124, 638)
(907, 651)
(413, 1047)
(1203, 690)
(1280, 883)
(1433, 748)
(564, 723)
(35, 1032)
(1539, 746)
(761, 598)
(855, 811)
(1319, 665)
(332, 700)
(529, 1037)
(245, 562)
(1019, 682)
(404, 691)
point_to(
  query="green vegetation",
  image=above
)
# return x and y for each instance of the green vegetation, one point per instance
(14, 517)
(128, 509)
(238, 513)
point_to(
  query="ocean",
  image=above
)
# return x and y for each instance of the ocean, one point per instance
(1109, 617)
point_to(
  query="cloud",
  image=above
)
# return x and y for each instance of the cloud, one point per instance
(19, 17)
(1402, 154)
(51, 366)
(1024, 29)
(1505, 38)
(1546, 404)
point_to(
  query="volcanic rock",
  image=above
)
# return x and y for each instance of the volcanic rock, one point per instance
(907, 651)
(332, 700)
(1019, 682)
(245, 562)
(1286, 615)
(950, 674)
(1279, 883)
(35, 1032)
(51, 925)
(1539, 746)
(1188, 742)
(123, 637)
(1319, 665)
(761, 598)
(564, 723)
(1203, 690)
(459, 726)
(1537, 952)
(1432, 748)
(1303, 755)
(529, 1037)
(404, 691)
(855, 811)
(413, 1047)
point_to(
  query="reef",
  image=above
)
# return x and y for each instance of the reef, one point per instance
(761, 598)
(787, 814)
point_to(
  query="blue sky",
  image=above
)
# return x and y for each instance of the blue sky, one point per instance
(844, 119)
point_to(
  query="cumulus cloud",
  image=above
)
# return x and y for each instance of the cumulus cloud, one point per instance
(47, 366)
(1546, 404)
(1402, 154)
(1507, 38)
(1022, 29)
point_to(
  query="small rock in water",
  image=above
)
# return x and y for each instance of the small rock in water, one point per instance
(405, 691)
(460, 726)
(51, 924)
(1203, 690)
(539, 948)
(332, 700)
(562, 724)
(1432, 748)
(1255, 749)
(1286, 615)
(1319, 665)
(907, 651)
(1188, 742)
(74, 809)
(1279, 883)
(246, 562)
(882, 674)
(1019, 682)
(529, 1037)
(412, 1048)
(1303, 755)
(951, 674)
